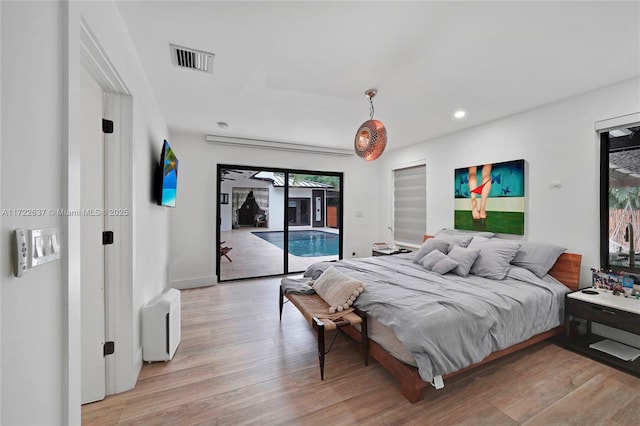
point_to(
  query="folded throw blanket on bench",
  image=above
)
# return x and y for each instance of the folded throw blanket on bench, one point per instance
(297, 286)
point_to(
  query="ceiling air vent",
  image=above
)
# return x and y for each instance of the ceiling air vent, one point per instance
(184, 57)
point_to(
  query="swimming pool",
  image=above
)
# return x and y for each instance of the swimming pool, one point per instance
(307, 243)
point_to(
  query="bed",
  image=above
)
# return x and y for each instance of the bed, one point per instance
(426, 326)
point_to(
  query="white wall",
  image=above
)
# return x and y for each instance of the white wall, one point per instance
(1, 245)
(558, 143)
(192, 222)
(32, 117)
(40, 347)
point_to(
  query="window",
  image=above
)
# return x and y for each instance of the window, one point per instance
(276, 221)
(620, 199)
(410, 204)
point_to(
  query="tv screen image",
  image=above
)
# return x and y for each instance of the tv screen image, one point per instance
(169, 176)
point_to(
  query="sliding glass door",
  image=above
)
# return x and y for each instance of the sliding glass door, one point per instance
(276, 221)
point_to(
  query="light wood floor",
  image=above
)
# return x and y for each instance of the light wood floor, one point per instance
(237, 364)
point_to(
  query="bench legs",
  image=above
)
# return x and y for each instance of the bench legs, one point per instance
(319, 326)
(364, 337)
(320, 330)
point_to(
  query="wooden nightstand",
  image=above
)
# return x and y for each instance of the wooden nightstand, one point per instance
(388, 252)
(603, 308)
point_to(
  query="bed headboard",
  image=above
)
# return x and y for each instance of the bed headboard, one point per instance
(566, 269)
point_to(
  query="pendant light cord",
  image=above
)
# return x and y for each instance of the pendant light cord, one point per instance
(371, 109)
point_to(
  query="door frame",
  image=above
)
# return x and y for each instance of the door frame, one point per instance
(118, 107)
(285, 224)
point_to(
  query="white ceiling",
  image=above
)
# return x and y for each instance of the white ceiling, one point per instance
(297, 71)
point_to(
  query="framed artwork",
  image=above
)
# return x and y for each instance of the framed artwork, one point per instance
(490, 197)
(224, 198)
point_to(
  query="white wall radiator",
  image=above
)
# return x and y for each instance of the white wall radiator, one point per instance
(161, 326)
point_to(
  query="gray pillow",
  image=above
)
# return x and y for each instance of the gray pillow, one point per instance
(428, 246)
(495, 256)
(438, 262)
(539, 258)
(454, 240)
(465, 258)
(463, 232)
(431, 259)
(444, 266)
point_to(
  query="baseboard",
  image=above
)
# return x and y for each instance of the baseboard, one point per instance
(138, 361)
(194, 283)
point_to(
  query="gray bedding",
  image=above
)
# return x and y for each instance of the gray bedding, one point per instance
(448, 322)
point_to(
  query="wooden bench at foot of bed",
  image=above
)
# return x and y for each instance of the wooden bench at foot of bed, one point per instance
(314, 309)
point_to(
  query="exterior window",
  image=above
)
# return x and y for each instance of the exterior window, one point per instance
(410, 204)
(620, 199)
(273, 222)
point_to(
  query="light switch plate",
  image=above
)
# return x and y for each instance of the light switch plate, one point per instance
(42, 249)
(33, 247)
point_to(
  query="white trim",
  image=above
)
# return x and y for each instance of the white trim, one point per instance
(119, 264)
(207, 281)
(121, 372)
(97, 62)
(276, 145)
(406, 165)
(70, 255)
(620, 121)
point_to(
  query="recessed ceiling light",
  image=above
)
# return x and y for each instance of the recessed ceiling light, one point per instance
(223, 124)
(459, 114)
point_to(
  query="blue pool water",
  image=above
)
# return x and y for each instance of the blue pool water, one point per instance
(306, 243)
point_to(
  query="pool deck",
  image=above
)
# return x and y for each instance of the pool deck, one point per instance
(254, 257)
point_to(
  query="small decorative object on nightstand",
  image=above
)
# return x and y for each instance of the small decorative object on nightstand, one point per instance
(604, 308)
(388, 251)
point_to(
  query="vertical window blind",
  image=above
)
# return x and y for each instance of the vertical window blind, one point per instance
(410, 204)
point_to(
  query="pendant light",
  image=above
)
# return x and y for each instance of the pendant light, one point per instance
(371, 137)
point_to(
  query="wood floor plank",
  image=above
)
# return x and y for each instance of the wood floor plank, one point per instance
(605, 398)
(239, 364)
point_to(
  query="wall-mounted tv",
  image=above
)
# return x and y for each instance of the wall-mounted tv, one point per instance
(167, 181)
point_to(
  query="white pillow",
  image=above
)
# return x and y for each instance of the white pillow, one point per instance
(337, 289)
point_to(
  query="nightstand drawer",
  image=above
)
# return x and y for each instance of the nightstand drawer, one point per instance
(603, 315)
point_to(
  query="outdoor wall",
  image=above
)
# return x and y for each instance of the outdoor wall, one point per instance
(559, 145)
(226, 210)
(192, 222)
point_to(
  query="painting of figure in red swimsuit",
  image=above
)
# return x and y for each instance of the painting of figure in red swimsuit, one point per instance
(490, 197)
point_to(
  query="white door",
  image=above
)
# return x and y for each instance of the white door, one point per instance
(92, 203)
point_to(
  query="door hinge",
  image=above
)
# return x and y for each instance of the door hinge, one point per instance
(107, 126)
(108, 348)
(107, 238)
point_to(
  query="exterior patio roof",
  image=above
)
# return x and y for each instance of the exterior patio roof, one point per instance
(278, 181)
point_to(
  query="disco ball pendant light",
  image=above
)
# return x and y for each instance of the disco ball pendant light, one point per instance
(371, 137)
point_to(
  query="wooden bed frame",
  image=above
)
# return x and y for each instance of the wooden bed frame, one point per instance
(566, 270)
